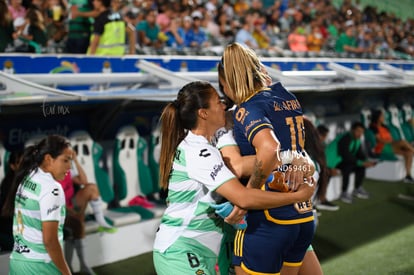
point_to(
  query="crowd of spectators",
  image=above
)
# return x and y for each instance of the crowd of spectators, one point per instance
(305, 28)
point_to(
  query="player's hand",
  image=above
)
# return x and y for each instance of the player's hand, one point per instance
(231, 215)
(236, 216)
(294, 177)
(306, 191)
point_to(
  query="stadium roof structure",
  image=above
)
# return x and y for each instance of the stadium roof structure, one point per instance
(33, 79)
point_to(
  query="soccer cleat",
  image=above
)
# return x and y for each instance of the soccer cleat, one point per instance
(326, 205)
(361, 193)
(346, 198)
(111, 230)
(408, 179)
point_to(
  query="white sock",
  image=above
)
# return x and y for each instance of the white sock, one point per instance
(98, 213)
(80, 250)
(69, 248)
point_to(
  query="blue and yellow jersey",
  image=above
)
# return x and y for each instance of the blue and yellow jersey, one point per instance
(278, 109)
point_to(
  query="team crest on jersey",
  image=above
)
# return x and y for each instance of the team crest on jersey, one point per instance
(200, 272)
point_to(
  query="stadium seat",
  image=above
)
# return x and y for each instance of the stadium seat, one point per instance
(394, 123)
(4, 157)
(365, 115)
(89, 155)
(407, 122)
(132, 175)
(154, 158)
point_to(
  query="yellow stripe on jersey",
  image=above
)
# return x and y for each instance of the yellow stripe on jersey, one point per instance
(238, 243)
(260, 125)
(292, 264)
(293, 221)
(256, 273)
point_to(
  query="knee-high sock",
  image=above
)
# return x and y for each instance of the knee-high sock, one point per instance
(80, 250)
(69, 247)
(98, 212)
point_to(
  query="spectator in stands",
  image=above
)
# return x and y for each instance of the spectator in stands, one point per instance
(297, 39)
(37, 202)
(244, 35)
(108, 22)
(211, 28)
(366, 43)
(347, 42)
(79, 26)
(76, 203)
(386, 145)
(6, 228)
(148, 31)
(17, 9)
(259, 33)
(165, 16)
(315, 148)
(240, 8)
(6, 26)
(225, 26)
(407, 44)
(176, 34)
(56, 27)
(196, 37)
(353, 159)
(315, 40)
(36, 37)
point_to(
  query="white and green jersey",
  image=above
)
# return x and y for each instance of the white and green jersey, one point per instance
(197, 171)
(39, 198)
(224, 137)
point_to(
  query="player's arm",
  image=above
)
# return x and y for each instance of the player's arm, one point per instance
(52, 245)
(267, 157)
(248, 198)
(241, 166)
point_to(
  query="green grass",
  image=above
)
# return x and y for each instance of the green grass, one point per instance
(368, 237)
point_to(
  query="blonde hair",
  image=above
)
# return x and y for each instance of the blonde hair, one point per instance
(242, 72)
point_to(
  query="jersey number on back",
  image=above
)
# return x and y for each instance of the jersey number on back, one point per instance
(296, 125)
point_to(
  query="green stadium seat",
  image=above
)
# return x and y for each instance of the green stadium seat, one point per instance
(89, 155)
(154, 158)
(407, 126)
(132, 175)
(4, 158)
(394, 123)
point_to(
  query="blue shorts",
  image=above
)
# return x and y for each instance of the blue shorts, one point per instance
(265, 246)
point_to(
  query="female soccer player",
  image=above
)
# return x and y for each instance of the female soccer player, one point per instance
(38, 203)
(268, 123)
(189, 236)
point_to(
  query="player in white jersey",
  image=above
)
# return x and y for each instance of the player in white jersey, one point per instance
(38, 205)
(193, 170)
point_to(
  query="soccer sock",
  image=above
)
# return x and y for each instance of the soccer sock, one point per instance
(69, 252)
(80, 250)
(98, 213)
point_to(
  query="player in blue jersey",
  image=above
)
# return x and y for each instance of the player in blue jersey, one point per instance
(188, 239)
(268, 123)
